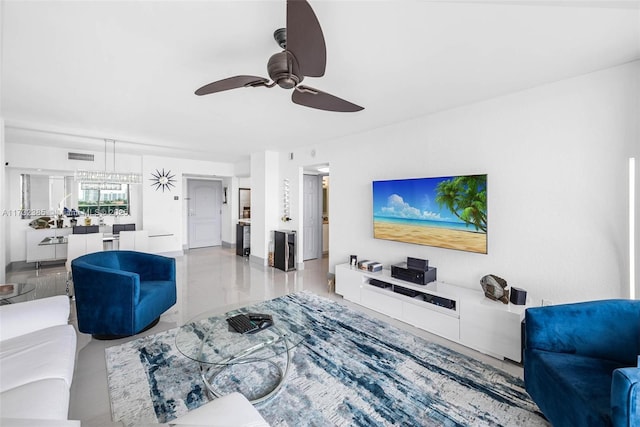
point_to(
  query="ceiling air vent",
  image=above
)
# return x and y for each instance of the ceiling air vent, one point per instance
(81, 156)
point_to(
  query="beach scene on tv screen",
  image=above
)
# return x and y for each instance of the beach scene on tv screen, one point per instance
(448, 212)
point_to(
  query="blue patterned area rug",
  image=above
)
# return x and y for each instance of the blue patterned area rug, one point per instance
(352, 370)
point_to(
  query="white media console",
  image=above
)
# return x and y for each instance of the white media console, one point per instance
(459, 314)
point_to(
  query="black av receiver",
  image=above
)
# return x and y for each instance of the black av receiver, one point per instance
(415, 271)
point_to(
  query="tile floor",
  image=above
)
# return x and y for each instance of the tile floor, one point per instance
(207, 279)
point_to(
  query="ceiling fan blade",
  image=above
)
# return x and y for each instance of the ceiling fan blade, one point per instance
(305, 39)
(232, 83)
(314, 98)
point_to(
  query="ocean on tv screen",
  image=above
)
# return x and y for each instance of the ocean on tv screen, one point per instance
(454, 225)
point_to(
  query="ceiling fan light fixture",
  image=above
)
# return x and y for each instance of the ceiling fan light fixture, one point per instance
(283, 69)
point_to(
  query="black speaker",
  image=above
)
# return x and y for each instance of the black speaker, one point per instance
(518, 296)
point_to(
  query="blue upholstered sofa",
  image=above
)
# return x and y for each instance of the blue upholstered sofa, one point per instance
(121, 293)
(581, 362)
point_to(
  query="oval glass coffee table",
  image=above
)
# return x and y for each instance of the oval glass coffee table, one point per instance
(209, 340)
(10, 291)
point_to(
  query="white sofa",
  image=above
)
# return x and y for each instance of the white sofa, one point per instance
(37, 358)
(232, 410)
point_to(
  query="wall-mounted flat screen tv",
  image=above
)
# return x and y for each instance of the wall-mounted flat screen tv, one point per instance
(447, 212)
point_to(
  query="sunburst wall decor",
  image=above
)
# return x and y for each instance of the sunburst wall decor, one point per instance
(162, 180)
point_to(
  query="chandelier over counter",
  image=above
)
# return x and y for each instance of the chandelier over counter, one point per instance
(109, 177)
(105, 180)
(100, 186)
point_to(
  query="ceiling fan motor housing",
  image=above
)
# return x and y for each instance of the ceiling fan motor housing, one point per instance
(283, 69)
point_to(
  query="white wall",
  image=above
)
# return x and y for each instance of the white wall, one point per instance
(634, 148)
(54, 158)
(3, 204)
(231, 209)
(165, 212)
(292, 170)
(4, 223)
(556, 158)
(243, 169)
(152, 210)
(228, 233)
(265, 184)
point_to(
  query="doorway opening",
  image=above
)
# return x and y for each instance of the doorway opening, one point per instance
(315, 212)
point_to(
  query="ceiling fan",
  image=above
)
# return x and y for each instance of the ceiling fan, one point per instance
(304, 55)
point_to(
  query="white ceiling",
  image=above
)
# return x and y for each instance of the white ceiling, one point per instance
(127, 70)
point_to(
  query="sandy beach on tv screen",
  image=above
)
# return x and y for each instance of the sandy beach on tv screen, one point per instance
(432, 236)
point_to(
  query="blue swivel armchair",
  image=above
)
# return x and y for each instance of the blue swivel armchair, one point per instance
(121, 293)
(581, 362)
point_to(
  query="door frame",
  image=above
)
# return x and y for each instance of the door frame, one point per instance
(318, 227)
(311, 169)
(218, 214)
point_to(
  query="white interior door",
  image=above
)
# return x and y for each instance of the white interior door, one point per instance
(205, 213)
(312, 217)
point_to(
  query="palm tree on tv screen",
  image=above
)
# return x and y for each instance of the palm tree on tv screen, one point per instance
(466, 198)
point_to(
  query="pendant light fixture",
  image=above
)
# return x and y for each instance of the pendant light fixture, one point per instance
(105, 180)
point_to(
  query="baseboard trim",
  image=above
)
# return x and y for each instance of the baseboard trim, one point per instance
(258, 261)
